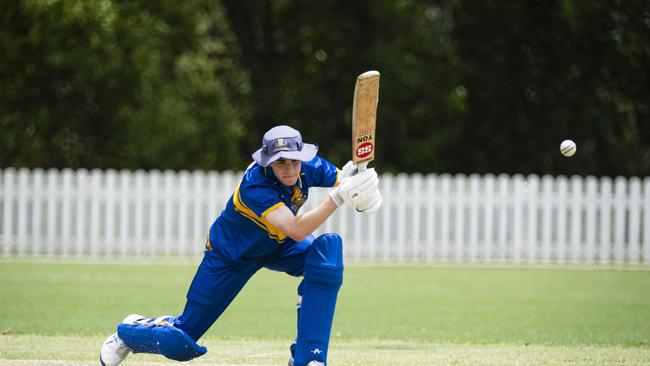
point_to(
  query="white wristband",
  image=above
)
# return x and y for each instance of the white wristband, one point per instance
(335, 195)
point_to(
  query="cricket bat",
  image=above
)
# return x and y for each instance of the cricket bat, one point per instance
(364, 118)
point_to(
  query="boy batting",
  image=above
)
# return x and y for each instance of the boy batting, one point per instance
(259, 229)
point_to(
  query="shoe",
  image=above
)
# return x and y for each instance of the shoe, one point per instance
(113, 351)
(311, 363)
(133, 319)
(292, 349)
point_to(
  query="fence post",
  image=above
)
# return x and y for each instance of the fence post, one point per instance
(474, 205)
(96, 199)
(417, 200)
(52, 195)
(125, 212)
(532, 189)
(445, 212)
(634, 208)
(37, 204)
(590, 227)
(517, 218)
(646, 220)
(430, 219)
(604, 248)
(561, 239)
(502, 207)
(168, 201)
(183, 243)
(109, 211)
(23, 196)
(154, 246)
(459, 217)
(199, 222)
(547, 218)
(402, 200)
(66, 211)
(81, 224)
(619, 219)
(576, 218)
(213, 196)
(489, 193)
(138, 212)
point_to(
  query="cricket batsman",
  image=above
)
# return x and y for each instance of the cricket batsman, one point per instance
(260, 228)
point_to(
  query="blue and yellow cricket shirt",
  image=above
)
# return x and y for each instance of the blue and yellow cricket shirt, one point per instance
(242, 233)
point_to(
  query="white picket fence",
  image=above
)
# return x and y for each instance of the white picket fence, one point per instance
(433, 218)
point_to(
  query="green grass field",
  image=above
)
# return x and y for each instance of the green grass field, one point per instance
(58, 313)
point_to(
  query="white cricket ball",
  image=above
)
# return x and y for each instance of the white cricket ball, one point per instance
(568, 148)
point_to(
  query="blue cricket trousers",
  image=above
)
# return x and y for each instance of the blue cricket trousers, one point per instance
(217, 282)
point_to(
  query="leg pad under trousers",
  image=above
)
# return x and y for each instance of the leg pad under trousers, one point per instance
(160, 338)
(323, 278)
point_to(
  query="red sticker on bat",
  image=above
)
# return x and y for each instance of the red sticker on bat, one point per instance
(364, 150)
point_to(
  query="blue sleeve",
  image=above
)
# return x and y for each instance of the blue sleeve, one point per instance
(320, 173)
(261, 199)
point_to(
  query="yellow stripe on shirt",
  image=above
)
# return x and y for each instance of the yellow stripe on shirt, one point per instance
(274, 233)
(338, 177)
(272, 208)
(208, 245)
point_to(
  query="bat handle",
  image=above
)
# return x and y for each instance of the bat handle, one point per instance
(362, 166)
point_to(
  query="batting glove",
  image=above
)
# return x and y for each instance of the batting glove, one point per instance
(348, 170)
(372, 204)
(355, 189)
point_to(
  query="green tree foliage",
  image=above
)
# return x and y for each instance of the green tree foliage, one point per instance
(537, 72)
(467, 86)
(119, 84)
(304, 60)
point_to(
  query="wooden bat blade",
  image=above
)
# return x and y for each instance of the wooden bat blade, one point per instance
(364, 117)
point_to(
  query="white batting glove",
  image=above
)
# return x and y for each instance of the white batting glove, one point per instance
(348, 170)
(355, 189)
(365, 190)
(372, 204)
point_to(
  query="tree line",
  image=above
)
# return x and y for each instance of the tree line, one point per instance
(467, 86)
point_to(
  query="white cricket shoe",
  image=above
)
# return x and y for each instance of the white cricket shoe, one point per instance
(133, 318)
(311, 363)
(113, 352)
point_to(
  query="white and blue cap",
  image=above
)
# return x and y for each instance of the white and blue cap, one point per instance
(283, 142)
